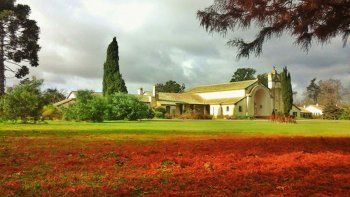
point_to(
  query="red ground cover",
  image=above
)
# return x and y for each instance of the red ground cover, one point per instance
(209, 167)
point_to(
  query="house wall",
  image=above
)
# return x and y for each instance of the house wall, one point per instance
(227, 110)
(244, 109)
(224, 94)
(295, 111)
(263, 103)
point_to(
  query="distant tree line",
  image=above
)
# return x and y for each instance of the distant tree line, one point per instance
(170, 87)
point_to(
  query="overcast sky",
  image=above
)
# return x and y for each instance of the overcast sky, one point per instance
(160, 40)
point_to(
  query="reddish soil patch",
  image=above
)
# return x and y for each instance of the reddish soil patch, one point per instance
(212, 167)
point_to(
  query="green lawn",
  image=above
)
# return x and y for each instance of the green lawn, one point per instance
(181, 128)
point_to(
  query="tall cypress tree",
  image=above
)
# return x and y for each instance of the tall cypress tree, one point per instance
(112, 79)
(287, 91)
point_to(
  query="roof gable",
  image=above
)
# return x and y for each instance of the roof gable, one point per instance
(241, 85)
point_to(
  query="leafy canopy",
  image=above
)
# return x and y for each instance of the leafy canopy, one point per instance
(170, 87)
(127, 107)
(23, 101)
(19, 37)
(306, 20)
(51, 96)
(243, 74)
(87, 107)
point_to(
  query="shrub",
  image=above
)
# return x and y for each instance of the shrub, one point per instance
(332, 112)
(193, 115)
(241, 117)
(86, 108)
(160, 112)
(345, 114)
(279, 117)
(126, 107)
(51, 112)
(23, 102)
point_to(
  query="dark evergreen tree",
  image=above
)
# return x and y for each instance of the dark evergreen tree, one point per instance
(18, 41)
(306, 21)
(313, 91)
(112, 79)
(287, 91)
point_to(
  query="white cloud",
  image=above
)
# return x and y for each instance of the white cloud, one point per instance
(159, 40)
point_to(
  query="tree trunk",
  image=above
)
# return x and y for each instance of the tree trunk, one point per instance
(2, 74)
(2, 63)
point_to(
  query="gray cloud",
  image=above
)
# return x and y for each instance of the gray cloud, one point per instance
(160, 40)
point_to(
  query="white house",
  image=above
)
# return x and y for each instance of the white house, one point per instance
(243, 98)
(316, 110)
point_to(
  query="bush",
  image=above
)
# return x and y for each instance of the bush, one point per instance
(86, 108)
(126, 107)
(279, 117)
(51, 112)
(193, 115)
(160, 112)
(332, 112)
(345, 114)
(23, 102)
(242, 117)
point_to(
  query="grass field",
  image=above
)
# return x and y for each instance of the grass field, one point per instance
(193, 158)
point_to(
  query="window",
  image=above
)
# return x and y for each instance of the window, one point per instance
(227, 108)
(240, 109)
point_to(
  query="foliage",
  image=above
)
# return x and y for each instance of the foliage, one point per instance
(313, 91)
(19, 37)
(282, 118)
(239, 117)
(51, 112)
(345, 114)
(178, 166)
(86, 108)
(306, 20)
(287, 91)
(332, 112)
(170, 87)
(331, 91)
(193, 115)
(51, 96)
(113, 81)
(23, 102)
(160, 112)
(126, 107)
(263, 79)
(243, 74)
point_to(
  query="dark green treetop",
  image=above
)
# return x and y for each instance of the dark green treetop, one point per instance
(287, 91)
(18, 40)
(243, 74)
(112, 79)
(313, 91)
(170, 87)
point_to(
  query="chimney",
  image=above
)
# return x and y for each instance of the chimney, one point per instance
(140, 91)
(154, 91)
